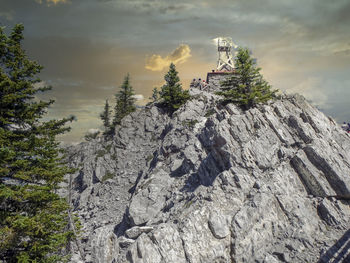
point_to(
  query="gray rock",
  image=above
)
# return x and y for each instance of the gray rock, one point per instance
(136, 231)
(125, 242)
(332, 212)
(169, 243)
(144, 251)
(218, 225)
(104, 245)
(215, 184)
(150, 198)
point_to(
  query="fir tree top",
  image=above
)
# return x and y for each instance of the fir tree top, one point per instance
(171, 77)
(125, 101)
(246, 87)
(171, 92)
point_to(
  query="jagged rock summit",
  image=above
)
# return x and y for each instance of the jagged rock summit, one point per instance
(216, 184)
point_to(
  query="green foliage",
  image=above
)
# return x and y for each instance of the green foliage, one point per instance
(246, 87)
(171, 93)
(106, 118)
(100, 153)
(155, 95)
(190, 124)
(154, 137)
(149, 158)
(33, 218)
(188, 203)
(146, 184)
(108, 148)
(108, 175)
(125, 101)
(210, 112)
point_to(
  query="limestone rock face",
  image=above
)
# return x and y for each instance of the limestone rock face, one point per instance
(213, 183)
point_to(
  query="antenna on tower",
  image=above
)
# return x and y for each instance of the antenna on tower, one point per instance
(225, 50)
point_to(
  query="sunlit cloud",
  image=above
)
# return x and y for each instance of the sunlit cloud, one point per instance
(138, 97)
(178, 56)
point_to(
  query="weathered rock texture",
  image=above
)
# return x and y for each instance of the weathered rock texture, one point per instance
(216, 184)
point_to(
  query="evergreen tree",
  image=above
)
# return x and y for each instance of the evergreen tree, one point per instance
(172, 93)
(33, 218)
(125, 101)
(246, 87)
(106, 117)
(155, 95)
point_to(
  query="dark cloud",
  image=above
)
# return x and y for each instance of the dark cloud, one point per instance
(76, 58)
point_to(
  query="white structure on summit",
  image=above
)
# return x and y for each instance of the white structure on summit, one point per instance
(225, 49)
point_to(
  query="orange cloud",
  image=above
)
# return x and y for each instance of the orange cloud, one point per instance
(178, 56)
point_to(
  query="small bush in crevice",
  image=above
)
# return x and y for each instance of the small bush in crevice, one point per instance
(108, 175)
(100, 153)
(190, 124)
(108, 148)
(209, 112)
(149, 158)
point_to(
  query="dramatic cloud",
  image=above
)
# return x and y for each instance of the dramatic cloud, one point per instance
(178, 56)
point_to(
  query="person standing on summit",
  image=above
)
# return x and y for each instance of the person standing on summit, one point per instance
(345, 126)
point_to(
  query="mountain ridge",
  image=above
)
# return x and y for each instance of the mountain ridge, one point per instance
(214, 183)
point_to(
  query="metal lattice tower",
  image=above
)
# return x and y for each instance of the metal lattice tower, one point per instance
(225, 49)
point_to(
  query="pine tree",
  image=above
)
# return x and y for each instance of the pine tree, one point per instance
(246, 87)
(33, 218)
(172, 93)
(106, 117)
(125, 101)
(155, 95)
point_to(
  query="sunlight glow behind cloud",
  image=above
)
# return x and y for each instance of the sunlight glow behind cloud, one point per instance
(178, 56)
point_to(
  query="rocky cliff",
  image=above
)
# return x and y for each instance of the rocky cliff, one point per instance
(216, 184)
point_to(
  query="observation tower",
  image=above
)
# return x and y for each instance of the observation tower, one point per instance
(226, 49)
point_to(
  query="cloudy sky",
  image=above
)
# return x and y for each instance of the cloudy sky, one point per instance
(88, 46)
